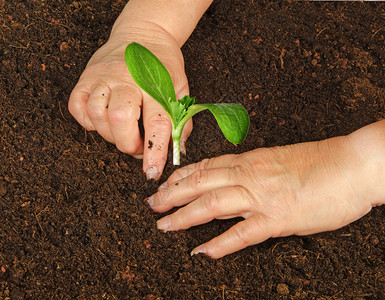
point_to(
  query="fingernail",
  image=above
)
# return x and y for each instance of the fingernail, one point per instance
(197, 250)
(183, 146)
(150, 201)
(152, 173)
(163, 185)
(138, 156)
(164, 223)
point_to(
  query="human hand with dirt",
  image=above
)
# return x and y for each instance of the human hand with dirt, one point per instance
(106, 98)
(292, 190)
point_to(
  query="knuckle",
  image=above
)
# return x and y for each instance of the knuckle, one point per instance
(123, 115)
(162, 196)
(159, 127)
(241, 233)
(204, 164)
(117, 117)
(235, 173)
(212, 201)
(97, 112)
(198, 178)
(160, 120)
(245, 196)
(100, 89)
(180, 220)
(182, 172)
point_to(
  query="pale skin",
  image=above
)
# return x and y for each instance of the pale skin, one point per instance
(292, 190)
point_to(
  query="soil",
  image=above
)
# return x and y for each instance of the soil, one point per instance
(73, 224)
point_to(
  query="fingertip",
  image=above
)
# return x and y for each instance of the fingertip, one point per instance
(164, 224)
(138, 156)
(154, 163)
(198, 250)
(154, 159)
(206, 250)
(153, 172)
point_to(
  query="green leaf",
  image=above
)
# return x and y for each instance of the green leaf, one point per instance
(150, 75)
(180, 107)
(233, 120)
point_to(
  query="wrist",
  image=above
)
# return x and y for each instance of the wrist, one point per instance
(141, 31)
(369, 145)
(177, 18)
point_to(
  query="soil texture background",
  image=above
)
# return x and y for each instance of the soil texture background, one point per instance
(73, 224)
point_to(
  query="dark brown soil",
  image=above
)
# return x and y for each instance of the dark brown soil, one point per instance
(72, 219)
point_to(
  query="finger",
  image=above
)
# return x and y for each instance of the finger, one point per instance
(157, 126)
(77, 105)
(249, 232)
(97, 108)
(227, 217)
(224, 161)
(123, 115)
(211, 205)
(185, 134)
(189, 188)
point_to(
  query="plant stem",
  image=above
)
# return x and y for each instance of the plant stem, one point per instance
(176, 151)
(176, 134)
(177, 131)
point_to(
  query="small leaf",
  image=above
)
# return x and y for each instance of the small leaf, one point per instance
(150, 75)
(180, 107)
(232, 119)
(187, 101)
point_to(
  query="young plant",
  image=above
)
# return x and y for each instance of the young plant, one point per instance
(153, 78)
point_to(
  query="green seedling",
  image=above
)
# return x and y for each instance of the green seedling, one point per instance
(153, 78)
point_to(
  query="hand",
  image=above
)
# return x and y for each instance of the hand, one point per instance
(299, 189)
(106, 98)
